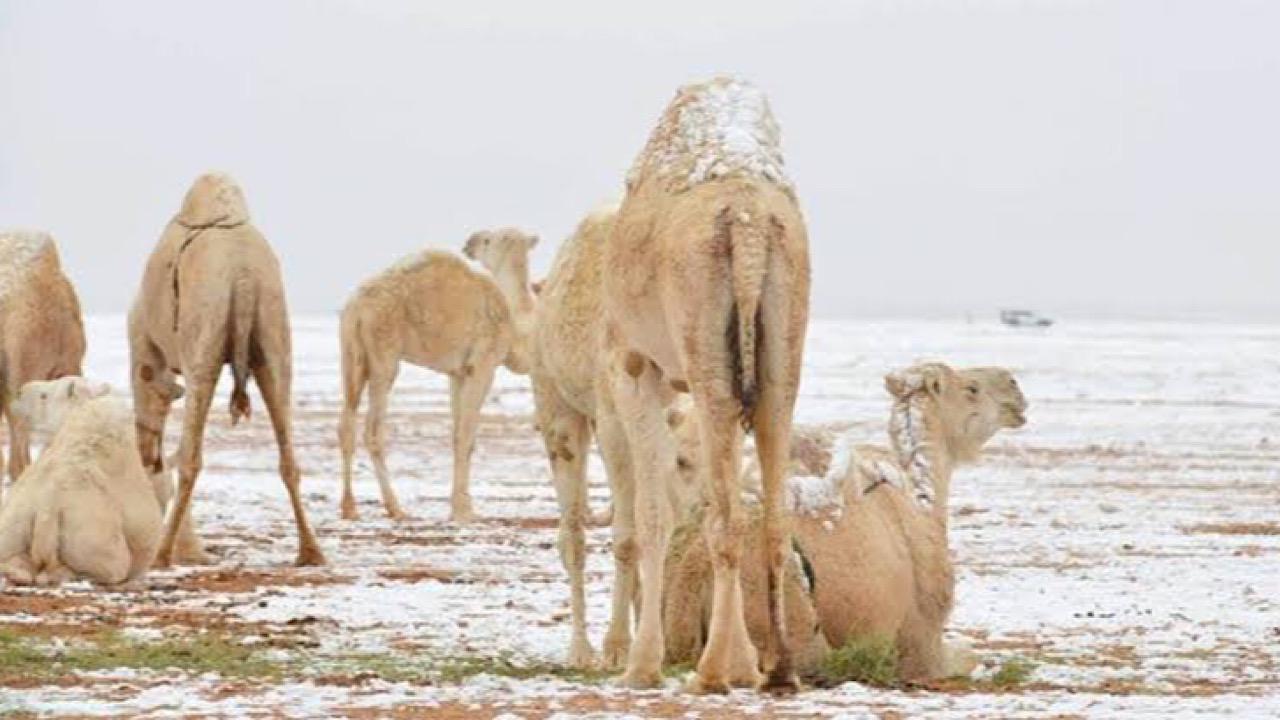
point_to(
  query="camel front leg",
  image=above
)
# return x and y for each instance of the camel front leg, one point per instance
(347, 444)
(467, 393)
(635, 384)
(617, 461)
(375, 436)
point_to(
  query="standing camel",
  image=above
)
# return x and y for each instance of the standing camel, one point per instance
(433, 309)
(211, 295)
(706, 288)
(41, 331)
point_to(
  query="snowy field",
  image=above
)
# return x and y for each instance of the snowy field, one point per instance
(1126, 542)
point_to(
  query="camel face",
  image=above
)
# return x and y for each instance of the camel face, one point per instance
(46, 404)
(970, 405)
(214, 199)
(505, 248)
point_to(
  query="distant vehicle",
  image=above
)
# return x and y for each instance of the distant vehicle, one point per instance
(1023, 318)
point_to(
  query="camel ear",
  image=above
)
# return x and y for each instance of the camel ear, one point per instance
(474, 243)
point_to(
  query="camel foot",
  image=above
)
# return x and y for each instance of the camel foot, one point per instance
(309, 555)
(163, 560)
(699, 685)
(18, 571)
(399, 515)
(462, 514)
(641, 679)
(194, 556)
(581, 655)
(616, 650)
(781, 684)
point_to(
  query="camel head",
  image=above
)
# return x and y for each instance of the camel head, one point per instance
(213, 200)
(965, 407)
(503, 252)
(45, 404)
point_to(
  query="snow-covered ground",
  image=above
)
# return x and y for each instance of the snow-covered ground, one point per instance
(1109, 541)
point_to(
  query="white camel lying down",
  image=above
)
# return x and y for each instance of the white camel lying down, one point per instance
(85, 507)
(870, 528)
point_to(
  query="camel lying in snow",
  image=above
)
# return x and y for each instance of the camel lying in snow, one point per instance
(86, 507)
(434, 310)
(706, 289)
(41, 331)
(211, 296)
(871, 526)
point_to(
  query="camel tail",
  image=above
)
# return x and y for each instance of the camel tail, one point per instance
(244, 309)
(748, 258)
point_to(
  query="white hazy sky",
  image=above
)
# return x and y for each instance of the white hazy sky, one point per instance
(1100, 158)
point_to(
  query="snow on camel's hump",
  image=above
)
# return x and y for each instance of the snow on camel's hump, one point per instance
(19, 250)
(716, 129)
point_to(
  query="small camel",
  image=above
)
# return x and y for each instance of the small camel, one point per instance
(40, 327)
(706, 289)
(435, 310)
(86, 506)
(871, 527)
(211, 295)
(573, 403)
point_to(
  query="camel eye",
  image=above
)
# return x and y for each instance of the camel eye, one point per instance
(683, 464)
(973, 390)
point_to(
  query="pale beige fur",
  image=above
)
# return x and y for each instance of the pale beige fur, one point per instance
(434, 310)
(212, 295)
(86, 506)
(706, 288)
(40, 327)
(879, 554)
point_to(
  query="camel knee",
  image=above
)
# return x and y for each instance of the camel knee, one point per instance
(724, 540)
(625, 554)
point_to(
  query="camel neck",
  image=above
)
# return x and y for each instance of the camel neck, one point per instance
(922, 452)
(514, 284)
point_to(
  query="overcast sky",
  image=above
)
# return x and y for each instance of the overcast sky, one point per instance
(1086, 158)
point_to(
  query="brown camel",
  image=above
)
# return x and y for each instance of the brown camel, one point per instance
(433, 309)
(211, 295)
(40, 328)
(706, 288)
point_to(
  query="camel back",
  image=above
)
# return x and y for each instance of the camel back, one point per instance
(718, 129)
(20, 253)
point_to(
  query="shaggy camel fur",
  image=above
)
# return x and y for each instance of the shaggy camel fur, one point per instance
(706, 288)
(212, 295)
(871, 524)
(40, 328)
(86, 506)
(433, 309)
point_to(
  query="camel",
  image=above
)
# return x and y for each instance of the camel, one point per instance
(871, 527)
(40, 327)
(211, 295)
(706, 289)
(86, 506)
(435, 310)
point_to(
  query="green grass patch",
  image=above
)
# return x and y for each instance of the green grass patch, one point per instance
(451, 669)
(867, 660)
(1012, 673)
(22, 656)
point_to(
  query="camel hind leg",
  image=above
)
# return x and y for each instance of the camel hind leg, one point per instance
(382, 376)
(201, 383)
(467, 392)
(274, 377)
(355, 376)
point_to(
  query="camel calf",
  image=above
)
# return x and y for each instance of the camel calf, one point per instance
(870, 527)
(435, 310)
(41, 331)
(86, 507)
